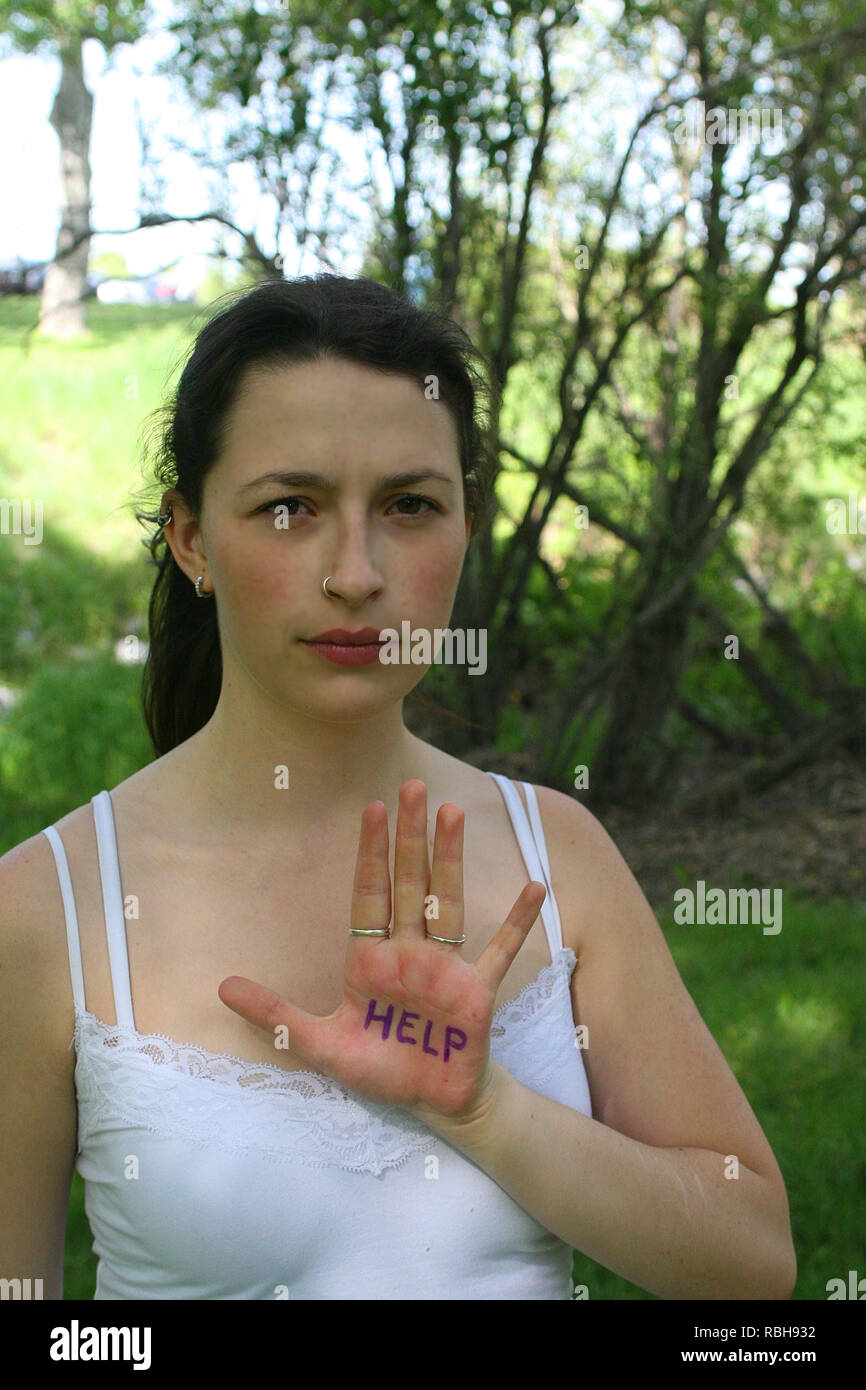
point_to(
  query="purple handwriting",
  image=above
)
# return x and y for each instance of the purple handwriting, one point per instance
(455, 1038)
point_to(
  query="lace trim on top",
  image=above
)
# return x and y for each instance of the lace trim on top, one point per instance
(289, 1116)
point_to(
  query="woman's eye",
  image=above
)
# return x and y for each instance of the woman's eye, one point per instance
(282, 502)
(410, 497)
(416, 497)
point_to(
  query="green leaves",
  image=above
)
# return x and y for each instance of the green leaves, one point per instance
(54, 23)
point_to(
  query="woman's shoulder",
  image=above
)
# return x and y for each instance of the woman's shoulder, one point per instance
(34, 858)
(33, 919)
(588, 871)
(580, 852)
(563, 817)
(34, 954)
(29, 883)
(563, 812)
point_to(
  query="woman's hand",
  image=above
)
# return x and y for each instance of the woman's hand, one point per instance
(414, 1025)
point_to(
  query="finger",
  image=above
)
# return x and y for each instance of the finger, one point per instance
(411, 861)
(371, 890)
(269, 1011)
(498, 954)
(446, 879)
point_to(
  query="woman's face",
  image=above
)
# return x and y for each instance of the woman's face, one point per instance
(270, 542)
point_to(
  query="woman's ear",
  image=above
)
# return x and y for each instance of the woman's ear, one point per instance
(183, 537)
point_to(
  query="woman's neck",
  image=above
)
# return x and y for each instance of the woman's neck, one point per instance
(312, 775)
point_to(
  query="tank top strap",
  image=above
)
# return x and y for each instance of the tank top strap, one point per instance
(73, 942)
(112, 901)
(533, 846)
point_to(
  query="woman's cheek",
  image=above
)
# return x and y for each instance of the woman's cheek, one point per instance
(257, 602)
(434, 579)
(255, 580)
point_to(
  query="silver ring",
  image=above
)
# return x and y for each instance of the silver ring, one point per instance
(325, 587)
(449, 940)
(364, 931)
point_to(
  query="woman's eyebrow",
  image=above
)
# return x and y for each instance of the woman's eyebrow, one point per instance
(318, 480)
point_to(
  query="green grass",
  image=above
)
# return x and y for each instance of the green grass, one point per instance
(79, 1261)
(69, 417)
(787, 1011)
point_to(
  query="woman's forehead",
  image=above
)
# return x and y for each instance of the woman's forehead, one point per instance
(303, 410)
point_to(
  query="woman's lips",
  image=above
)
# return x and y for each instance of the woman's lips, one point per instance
(344, 654)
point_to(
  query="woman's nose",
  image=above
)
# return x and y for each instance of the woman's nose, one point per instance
(353, 574)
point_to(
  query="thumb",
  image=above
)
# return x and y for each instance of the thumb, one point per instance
(268, 1010)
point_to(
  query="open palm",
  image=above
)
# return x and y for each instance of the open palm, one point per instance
(414, 1025)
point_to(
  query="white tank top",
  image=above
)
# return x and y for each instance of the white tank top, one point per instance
(209, 1177)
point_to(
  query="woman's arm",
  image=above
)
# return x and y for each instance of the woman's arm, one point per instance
(647, 1188)
(668, 1219)
(38, 1121)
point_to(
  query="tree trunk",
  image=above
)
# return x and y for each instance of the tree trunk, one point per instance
(64, 312)
(633, 762)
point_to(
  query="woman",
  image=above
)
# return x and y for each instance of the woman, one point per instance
(292, 1081)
